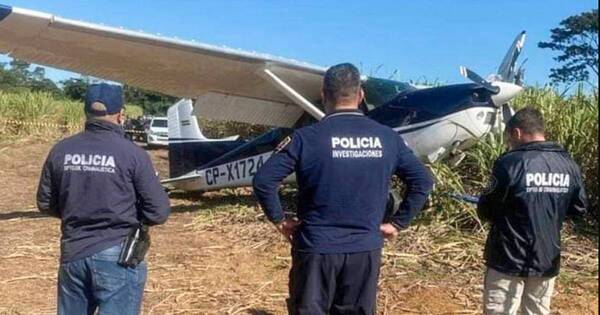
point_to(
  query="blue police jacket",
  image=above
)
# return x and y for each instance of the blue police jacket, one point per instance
(100, 185)
(343, 166)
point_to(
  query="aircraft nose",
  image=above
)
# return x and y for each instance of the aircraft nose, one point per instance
(507, 92)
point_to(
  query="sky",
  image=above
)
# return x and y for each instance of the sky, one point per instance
(421, 40)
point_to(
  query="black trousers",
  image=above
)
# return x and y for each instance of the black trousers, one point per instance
(336, 284)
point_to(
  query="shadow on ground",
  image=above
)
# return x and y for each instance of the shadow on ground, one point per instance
(225, 199)
(192, 202)
(29, 214)
(256, 311)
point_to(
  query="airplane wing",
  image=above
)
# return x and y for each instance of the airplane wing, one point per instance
(227, 83)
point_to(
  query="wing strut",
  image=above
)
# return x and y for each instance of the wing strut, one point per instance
(293, 95)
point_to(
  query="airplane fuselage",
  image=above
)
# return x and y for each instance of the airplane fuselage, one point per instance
(433, 122)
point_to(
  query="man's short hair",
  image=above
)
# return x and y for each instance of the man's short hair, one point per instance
(341, 82)
(528, 119)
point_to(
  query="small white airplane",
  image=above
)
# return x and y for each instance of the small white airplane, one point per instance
(227, 84)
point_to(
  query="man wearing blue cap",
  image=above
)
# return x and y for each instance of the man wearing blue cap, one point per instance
(102, 187)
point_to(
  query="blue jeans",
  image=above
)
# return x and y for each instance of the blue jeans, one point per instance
(98, 282)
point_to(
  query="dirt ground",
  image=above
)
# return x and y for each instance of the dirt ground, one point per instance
(217, 255)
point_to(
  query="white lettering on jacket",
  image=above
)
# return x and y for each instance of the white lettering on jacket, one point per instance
(90, 160)
(356, 142)
(356, 147)
(547, 179)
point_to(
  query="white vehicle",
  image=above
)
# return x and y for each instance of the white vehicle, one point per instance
(157, 132)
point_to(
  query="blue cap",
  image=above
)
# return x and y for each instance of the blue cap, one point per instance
(110, 95)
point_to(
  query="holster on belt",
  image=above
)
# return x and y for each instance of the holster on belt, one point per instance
(135, 246)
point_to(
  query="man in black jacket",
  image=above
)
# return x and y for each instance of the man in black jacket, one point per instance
(101, 186)
(533, 187)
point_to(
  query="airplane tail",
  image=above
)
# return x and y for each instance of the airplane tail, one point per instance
(189, 149)
(182, 124)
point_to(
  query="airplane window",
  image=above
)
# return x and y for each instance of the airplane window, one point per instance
(380, 91)
(392, 116)
(480, 97)
(426, 104)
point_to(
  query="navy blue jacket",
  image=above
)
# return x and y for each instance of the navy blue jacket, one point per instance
(343, 167)
(532, 189)
(100, 185)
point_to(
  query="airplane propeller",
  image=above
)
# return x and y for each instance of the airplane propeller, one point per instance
(501, 91)
(471, 75)
(520, 74)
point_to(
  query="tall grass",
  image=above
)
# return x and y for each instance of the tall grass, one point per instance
(40, 113)
(445, 209)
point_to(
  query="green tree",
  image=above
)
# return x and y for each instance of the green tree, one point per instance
(153, 103)
(20, 70)
(37, 81)
(577, 41)
(75, 88)
(45, 85)
(8, 80)
(20, 76)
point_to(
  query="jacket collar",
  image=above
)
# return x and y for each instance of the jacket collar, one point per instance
(345, 112)
(95, 125)
(540, 146)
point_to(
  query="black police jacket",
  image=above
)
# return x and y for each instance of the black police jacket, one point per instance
(532, 189)
(101, 185)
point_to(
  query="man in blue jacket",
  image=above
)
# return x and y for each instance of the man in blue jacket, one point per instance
(343, 167)
(101, 186)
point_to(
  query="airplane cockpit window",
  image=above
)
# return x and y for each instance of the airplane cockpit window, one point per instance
(393, 116)
(380, 91)
(426, 104)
